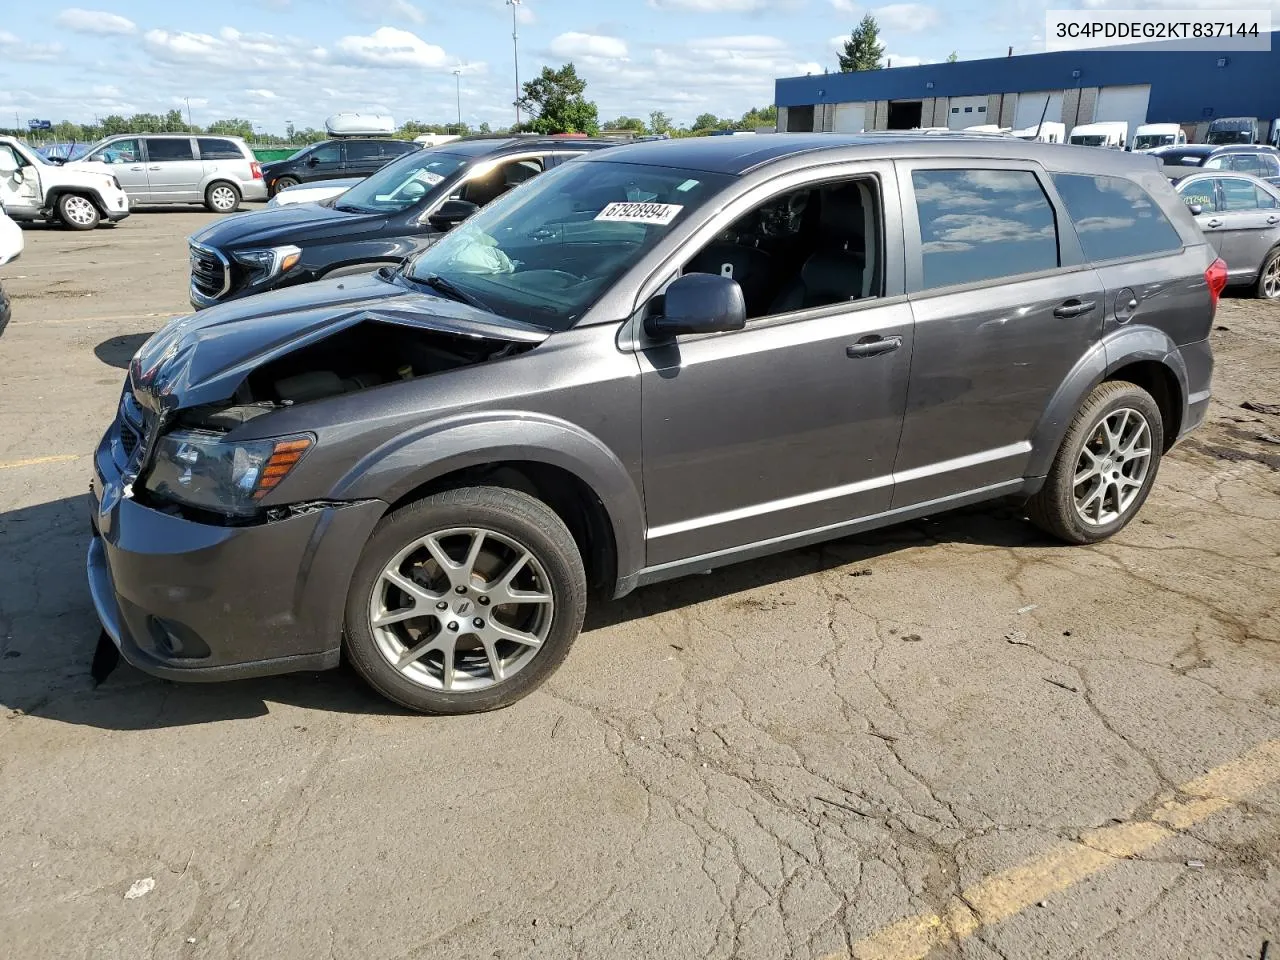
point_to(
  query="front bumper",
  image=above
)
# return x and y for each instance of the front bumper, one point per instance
(190, 601)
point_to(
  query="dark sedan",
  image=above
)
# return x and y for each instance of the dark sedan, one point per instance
(399, 211)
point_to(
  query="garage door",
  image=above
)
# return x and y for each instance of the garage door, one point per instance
(1123, 103)
(850, 117)
(967, 112)
(1031, 106)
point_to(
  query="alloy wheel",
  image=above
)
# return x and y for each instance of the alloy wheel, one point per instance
(1271, 279)
(1112, 467)
(461, 609)
(222, 198)
(79, 211)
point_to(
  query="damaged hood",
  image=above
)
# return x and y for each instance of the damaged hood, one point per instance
(294, 224)
(204, 357)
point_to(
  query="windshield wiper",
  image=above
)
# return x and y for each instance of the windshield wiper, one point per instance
(454, 292)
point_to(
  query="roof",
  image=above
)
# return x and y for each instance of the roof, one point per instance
(740, 155)
(483, 146)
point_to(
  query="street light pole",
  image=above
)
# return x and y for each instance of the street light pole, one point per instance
(187, 100)
(457, 76)
(515, 46)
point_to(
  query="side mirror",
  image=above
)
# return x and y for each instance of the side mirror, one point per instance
(452, 213)
(19, 176)
(698, 303)
(312, 162)
(1195, 209)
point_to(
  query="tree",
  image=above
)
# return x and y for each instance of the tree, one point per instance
(485, 129)
(707, 121)
(659, 122)
(631, 124)
(759, 117)
(953, 57)
(554, 99)
(863, 49)
(234, 127)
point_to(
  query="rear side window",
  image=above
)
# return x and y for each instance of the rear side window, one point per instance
(358, 150)
(212, 148)
(1258, 164)
(160, 150)
(397, 148)
(1115, 217)
(1242, 195)
(982, 225)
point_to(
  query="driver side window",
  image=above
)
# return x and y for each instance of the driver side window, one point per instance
(10, 162)
(485, 189)
(810, 247)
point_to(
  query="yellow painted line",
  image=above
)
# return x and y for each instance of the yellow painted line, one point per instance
(36, 461)
(1008, 893)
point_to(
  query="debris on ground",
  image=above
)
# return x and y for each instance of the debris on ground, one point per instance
(1268, 438)
(1195, 864)
(140, 888)
(1018, 638)
(865, 572)
(1061, 685)
(1269, 408)
(912, 638)
(1028, 608)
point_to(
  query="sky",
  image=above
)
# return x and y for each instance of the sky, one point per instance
(274, 61)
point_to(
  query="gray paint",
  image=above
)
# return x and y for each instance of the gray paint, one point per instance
(702, 451)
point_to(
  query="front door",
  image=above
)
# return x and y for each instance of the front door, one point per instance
(1248, 221)
(19, 184)
(1002, 315)
(173, 171)
(791, 424)
(323, 163)
(127, 165)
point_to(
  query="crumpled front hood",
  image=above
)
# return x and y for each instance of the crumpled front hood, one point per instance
(293, 223)
(204, 357)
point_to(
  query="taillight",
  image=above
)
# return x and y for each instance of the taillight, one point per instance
(256, 168)
(1216, 277)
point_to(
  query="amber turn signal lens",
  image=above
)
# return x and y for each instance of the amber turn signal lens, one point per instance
(283, 459)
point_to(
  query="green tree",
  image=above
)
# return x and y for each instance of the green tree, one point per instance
(759, 117)
(233, 127)
(707, 121)
(555, 102)
(659, 122)
(174, 122)
(953, 57)
(863, 49)
(485, 129)
(633, 124)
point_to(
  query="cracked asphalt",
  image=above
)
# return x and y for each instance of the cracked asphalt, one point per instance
(949, 739)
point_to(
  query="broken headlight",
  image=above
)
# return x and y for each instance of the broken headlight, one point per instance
(202, 469)
(267, 262)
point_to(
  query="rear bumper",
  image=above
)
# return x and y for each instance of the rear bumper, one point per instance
(191, 601)
(254, 190)
(1198, 360)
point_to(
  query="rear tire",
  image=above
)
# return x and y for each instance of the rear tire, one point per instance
(499, 543)
(5, 309)
(284, 183)
(1268, 287)
(77, 212)
(222, 197)
(1105, 467)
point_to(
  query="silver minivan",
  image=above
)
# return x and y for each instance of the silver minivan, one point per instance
(178, 168)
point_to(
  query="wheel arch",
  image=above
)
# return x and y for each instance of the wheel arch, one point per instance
(58, 191)
(570, 470)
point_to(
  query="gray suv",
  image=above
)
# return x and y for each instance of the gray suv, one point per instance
(653, 361)
(216, 171)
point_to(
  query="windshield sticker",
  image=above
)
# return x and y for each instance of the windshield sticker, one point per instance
(429, 178)
(687, 186)
(659, 214)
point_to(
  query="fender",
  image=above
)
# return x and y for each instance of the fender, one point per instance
(1115, 350)
(474, 439)
(58, 189)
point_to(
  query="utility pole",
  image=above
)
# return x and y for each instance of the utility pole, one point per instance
(515, 46)
(187, 100)
(457, 76)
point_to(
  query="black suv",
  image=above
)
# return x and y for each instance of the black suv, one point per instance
(334, 159)
(654, 361)
(1258, 159)
(399, 211)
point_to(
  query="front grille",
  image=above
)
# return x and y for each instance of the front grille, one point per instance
(132, 426)
(210, 271)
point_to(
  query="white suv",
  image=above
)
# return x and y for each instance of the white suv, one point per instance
(10, 249)
(31, 188)
(218, 172)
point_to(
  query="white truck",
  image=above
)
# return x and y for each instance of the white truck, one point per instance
(1050, 131)
(10, 249)
(32, 188)
(1151, 135)
(1109, 134)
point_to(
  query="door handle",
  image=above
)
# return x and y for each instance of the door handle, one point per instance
(135, 169)
(872, 346)
(1074, 308)
(153, 168)
(1271, 220)
(1213, 223)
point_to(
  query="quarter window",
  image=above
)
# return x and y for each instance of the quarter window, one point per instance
(212, 148)
(982, 225)
(360, 151)
(169, 149)
(1238, 195)
(1115, 217)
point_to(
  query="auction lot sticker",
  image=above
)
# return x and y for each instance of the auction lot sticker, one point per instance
(659, 214)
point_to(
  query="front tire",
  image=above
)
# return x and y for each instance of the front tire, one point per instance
(1268, 287)
(222, 198)
(284, 183)
(465, 601)
(1105, 467)
(77, 212)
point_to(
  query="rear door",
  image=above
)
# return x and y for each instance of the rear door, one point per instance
(1004, 307)
(173, 169)
(225, 157)
(362, 157)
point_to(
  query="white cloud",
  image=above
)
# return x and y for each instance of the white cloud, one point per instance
(902, 60)
(712, 6)
(585, 45)
(15, 48)
(8, 39)
(244, 50)
(846, 6)
(95, 21)
(907, 17)
(391, 47)
(752, 43)
(262, 94)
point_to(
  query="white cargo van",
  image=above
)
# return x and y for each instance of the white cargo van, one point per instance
(1048, 132)
(1152, 135)
(1111, 134)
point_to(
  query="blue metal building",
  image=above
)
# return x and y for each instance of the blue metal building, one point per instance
(1145, 83)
